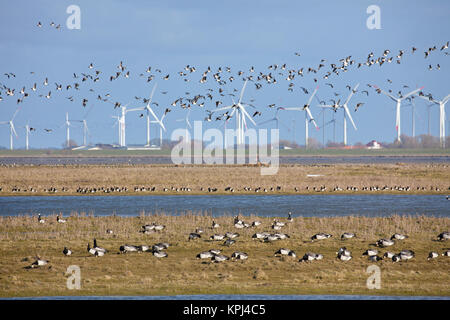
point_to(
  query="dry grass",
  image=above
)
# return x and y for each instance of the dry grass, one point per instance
(289, 177)
(21, 238)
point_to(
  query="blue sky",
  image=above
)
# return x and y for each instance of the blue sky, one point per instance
(172, 34)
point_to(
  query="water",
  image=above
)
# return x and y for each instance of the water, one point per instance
(218, 205)
(307, 160)
(240, 297)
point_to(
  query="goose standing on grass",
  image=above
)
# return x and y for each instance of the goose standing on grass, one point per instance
(194, 236)
(256, 223)
(385, 243)
(219, 258)
(160, 254)
(229, 242)
(309, 256)
(38, 263)
(217, 237)
(446, 253)
(433, 255)
(290, 219)
(59, 219)
(347, 235)
(239, 255)
(320, 236)
(214, 225)
(375, 258)
(40, 219)
(286, 252)
(370, 252)
(398, 236)
(343, 251)
(128, 248)
(406, 254)
(96, 247)
(444, 236)
(205, 255)
(388, 255)
(344, 257)
(67, 252)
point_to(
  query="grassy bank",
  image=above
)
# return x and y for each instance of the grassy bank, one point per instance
(22, 238)
(293, 179)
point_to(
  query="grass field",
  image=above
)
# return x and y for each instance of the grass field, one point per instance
(22, 238)
(293, 179)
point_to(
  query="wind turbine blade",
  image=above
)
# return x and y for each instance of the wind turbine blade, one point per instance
(444, 101)
(188, 123)
(242, 91)
(311, 117)
(293, 108)
(267, 121)
(15, 113)
(153, 91)
(349, 116)
(351, 94)
(13, 129)
(384, 92)
(412, 92)
(428, 99)
(223, 108)
(246, 114)
(312, 96)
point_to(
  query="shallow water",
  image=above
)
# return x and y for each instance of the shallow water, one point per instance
(55, 160)
(240, 297)
(218, 205)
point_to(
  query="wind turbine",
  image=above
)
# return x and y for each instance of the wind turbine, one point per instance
(308, 116)
(12, 130)
(241, 114)
(344, 106)
(27, 132)
(150, 111)
(276, 119)
(186, 120)
(85, 131)
(160, 129)
(399, 102)
(441, 104)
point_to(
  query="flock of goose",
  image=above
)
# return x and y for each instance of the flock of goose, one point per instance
(229, 238)
(212, 97)
(229, 189)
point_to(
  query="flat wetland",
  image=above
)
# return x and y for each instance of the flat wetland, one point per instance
(23, 238)
(396, 178)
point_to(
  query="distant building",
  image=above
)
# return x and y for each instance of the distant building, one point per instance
(373, 145)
